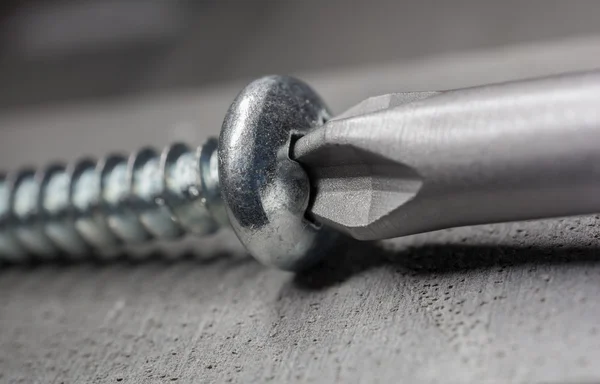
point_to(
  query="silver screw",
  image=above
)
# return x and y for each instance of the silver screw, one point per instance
(100, 206)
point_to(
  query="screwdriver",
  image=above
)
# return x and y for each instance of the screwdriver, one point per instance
(406, 163)
(288, 177)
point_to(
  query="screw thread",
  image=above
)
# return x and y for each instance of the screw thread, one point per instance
(100, 206)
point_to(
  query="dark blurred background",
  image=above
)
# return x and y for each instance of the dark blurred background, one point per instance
(56, 51)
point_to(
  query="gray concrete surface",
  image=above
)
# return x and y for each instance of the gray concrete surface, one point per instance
(504, 303)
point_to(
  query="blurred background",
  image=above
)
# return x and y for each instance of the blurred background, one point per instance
(54, 51)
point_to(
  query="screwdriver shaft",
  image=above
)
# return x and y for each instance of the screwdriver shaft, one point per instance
(402, 164)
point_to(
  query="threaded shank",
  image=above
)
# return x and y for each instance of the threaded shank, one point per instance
(101, 206)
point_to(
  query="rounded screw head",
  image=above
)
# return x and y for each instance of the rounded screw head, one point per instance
(266, 194)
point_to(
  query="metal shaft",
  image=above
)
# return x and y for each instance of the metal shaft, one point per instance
(100, 206)
(409, 163)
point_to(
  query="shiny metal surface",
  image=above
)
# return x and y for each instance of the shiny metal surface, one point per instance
(184, 191)
(288, 179)
(130, 200)
(266, 193)
(115, 191)
(147, 194)
(56, 210)
(406, 163)
(9, 246)
(86, 203)
(103, 206)
(24, 203)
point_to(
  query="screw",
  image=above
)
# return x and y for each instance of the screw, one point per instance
(100, 206)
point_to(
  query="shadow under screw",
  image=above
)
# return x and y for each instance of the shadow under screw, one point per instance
(356, 257)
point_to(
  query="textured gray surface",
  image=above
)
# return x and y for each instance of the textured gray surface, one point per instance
(491, 304)
(510, 302)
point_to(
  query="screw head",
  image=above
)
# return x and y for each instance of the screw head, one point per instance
(266, 194)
